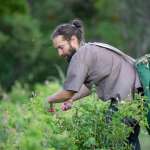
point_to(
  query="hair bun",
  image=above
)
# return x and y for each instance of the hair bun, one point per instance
(77, 23)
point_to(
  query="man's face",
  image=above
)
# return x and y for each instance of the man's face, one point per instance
(64, 47)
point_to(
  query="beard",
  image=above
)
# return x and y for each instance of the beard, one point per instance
(72, 52)
(68, 58)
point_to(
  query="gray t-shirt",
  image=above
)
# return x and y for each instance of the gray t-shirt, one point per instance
(108, 71)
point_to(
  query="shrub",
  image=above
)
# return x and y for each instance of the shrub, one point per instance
(29, 125)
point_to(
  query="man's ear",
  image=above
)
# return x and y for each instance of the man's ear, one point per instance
(74, 41)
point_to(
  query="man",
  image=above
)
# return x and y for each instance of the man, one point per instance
(113, 75)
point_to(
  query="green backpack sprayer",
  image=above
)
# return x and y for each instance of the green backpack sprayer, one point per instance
(143, 67)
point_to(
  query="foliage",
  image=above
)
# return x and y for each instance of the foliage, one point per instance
(8, 7)
(19, 93)
(135, 25)
(20, 45)
(28, 125)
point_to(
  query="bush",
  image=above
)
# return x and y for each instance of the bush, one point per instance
(29, 125)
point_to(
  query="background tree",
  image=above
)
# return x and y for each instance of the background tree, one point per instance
(135, 25)
(19, 42)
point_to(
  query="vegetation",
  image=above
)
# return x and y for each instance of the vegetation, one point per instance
(26, 123)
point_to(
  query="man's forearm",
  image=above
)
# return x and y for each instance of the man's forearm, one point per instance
(61, 96)
(84, 91)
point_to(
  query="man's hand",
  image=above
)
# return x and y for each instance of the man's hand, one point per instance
(67, 105)
(51, 109)
(58, 97)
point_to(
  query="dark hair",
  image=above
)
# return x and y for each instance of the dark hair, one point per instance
(75, 27)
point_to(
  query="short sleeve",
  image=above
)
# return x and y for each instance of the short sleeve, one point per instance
(77, 72)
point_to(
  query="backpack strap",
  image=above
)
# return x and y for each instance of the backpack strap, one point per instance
(116, 50)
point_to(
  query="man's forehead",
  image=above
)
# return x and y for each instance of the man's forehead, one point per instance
(59, 44)
(58, 41)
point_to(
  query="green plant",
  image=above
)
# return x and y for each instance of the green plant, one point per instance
(29, 125)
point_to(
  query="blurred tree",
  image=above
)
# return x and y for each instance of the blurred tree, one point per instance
(8, 7)
(50, 13)
(19, 42)
(19, 46)
(94, 13)
(135, 25)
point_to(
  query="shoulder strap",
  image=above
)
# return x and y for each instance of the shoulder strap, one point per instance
(117, 51)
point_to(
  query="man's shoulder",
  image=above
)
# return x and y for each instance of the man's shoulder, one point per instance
(86, 47)
(85, 52)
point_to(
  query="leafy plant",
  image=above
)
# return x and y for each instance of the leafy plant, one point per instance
(29, 125)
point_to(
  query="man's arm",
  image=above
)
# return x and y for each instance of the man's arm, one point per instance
(61, 96)
(65, 95)
(84, 91)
